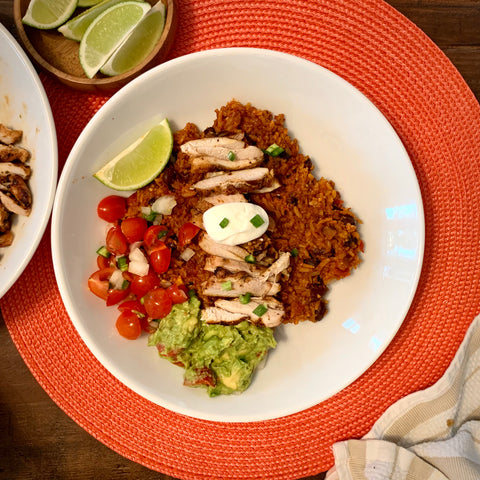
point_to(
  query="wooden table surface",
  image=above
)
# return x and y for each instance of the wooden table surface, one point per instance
(38, 440)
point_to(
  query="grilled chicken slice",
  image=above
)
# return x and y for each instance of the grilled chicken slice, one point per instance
(218, 315)
(238, 285)
(240, 181)
(6, 239)
(9, 136)
(221, 199)
(5, 219)
(277, 267)
(271, 318)
(206, 164)
(9, 153)
(212, 264)
(204, 146)
(270, 188)
(15, 195)
(232, 252)
(7, 168)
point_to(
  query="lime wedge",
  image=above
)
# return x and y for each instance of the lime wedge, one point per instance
(141, 162)
(107, 32)
(138, 45)
(77, 26)
(46, 14)
(88, 3)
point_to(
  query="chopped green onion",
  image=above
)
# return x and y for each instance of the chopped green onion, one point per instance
(231, 156)
(250, 258)
(191, 293)
(227, 285)
(125, 284)
(244, 299)
(138, 314)
(260, 310)
(162, 234)
(257, 221)
(142, 300)
(122, 263)
(224, 222)
(294, 252)
(103, 252)
(274, 150)
(150, 217)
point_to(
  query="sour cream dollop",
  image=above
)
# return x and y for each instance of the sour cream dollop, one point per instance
(235, 223)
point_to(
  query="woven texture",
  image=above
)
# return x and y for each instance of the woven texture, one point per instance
(390, 60)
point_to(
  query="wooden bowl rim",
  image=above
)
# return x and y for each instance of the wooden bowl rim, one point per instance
(170, 26)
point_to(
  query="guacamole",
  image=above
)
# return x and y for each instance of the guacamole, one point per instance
(220, 358)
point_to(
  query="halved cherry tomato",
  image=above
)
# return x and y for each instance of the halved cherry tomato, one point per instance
(157, 303)
(114, 295)
(103, 262)
(134, 229)
(98, 282)
(160, 258)
(187, 233)
(116, 242)
(139, 310)
(128, 325)
(140, 285)
(111, 208)
(154, 237)
(177, 293)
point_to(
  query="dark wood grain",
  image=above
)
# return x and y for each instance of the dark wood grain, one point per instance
(37, 439)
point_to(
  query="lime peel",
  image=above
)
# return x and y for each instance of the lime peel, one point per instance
(141, 162)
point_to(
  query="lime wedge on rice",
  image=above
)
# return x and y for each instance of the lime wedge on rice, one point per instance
(46, 14)
(139, 43)
(141, 162)
(76, 27)
(107, 31)
(88, 3)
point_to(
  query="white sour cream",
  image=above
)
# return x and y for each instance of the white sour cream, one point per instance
(230, 223)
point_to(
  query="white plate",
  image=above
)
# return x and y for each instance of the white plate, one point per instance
(24, 106)
(349, 141)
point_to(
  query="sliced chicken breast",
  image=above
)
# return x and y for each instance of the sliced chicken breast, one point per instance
(236, 285)
(9, 136)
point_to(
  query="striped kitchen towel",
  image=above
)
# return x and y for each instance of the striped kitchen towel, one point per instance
(433, 434)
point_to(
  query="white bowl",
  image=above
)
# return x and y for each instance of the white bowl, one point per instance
(349, 141)
(24, 106)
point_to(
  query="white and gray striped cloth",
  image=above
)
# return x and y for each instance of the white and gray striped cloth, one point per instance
(433, 434)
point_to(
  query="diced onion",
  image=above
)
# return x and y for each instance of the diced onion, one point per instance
(164, 204)
(136, 255)
(138, 268)
(187, 254)
(116, 280)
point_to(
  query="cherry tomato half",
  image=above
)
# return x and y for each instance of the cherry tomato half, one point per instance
(116, 242)
(114, 296)
(187, 233)
(157, 303)
(128, 325)
(160, 258)
(134, 229)
(140, 285)
(111, 208)
(139, 310)
(98, 282)
(103, 262)
(177, 293)
(154, 237)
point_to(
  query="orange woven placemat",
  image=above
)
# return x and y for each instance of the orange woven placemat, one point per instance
(390, 60)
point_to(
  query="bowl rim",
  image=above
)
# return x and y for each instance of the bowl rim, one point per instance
(169, 30)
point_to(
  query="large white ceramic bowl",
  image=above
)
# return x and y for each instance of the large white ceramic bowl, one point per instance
(24, 106)
(349, 141)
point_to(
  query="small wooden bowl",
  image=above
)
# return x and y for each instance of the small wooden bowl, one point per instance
(58, 55)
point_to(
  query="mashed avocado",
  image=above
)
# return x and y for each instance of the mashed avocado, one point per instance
(220, 358)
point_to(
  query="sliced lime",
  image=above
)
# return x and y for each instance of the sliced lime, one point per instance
(141, 162)
(107, 32)
(77, 26)
(46, 14)
(139, 43)
(88, 3)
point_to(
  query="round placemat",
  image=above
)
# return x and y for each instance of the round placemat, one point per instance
(409, 79)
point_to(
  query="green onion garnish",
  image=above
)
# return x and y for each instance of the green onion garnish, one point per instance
(103, 252)
(257, 221)
(191, 293)
(245, 298)
(231, 156)
(274, 150)
(125, 284)
(250, 258)
(260, 310)
(294, 252)
(150, 217)
(162, 233)
(224, 222)
(122, 263)
(227, 285)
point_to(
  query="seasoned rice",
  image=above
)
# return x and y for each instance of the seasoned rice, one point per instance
(308, 216)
